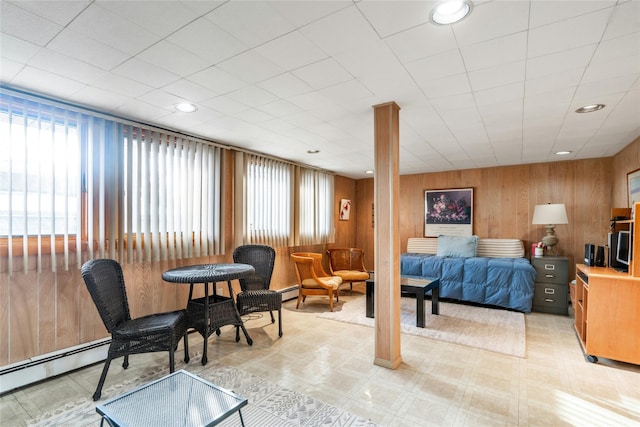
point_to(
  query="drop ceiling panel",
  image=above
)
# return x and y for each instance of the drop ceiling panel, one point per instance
(569, 34)
(253, 23)
(343, 30)
(421, 42)
(491, 53)
(173, 58)
(207, 40)
(487, 21)
(87, 49)
(393, 17)
(100, 24)
(24, 25)
(291, 51)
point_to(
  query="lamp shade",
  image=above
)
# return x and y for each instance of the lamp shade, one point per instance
(550, 214)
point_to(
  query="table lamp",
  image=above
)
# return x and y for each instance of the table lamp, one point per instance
(550, 215)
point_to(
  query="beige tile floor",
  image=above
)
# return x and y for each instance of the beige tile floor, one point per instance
(438, 384)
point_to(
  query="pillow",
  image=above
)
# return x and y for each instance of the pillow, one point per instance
(457, 246)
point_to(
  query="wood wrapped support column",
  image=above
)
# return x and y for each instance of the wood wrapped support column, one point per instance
(387, 235)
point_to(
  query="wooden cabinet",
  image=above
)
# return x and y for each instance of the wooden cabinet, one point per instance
(552, 278)
(607, 303)
(607, 313)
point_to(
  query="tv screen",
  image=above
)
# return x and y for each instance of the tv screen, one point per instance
(623, 251)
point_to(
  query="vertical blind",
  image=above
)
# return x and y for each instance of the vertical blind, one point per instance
(269, 201)
(316, 191)
(119, 190)
(285, 204)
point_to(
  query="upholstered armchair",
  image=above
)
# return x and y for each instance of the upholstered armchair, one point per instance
(312, 279)
(348, 264)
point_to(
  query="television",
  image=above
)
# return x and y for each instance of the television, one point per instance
(624, 249)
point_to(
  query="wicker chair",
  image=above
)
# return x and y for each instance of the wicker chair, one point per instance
(256, 295)
(155, 332)
(312, 279)
(348, 263)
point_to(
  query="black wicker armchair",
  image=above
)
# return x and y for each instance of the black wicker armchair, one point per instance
(256, 295)
(155, 332)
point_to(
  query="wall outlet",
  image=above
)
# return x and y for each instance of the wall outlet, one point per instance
(219, 289)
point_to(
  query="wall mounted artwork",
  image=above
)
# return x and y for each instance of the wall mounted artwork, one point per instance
(448, 212)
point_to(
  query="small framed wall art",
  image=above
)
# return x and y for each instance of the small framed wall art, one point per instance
(345, 209)
(449, 212)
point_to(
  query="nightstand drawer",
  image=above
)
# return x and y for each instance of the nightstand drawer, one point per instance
(550, 298)
(551, 270)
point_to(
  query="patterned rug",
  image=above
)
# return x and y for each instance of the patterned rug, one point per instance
(497, 330)
(268, 403)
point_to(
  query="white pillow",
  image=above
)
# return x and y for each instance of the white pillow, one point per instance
(457, 246)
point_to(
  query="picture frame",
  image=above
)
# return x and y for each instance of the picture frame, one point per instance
(633, 187)
(448, 212)
(345, 209)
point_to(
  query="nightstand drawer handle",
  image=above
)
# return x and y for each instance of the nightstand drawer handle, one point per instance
(549, 267)
(550, 291)
(549, 276)
(548, 300)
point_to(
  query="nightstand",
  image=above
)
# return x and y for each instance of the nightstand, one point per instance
(552, 279)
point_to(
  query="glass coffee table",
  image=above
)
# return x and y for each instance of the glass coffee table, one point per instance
(178, 399)
(413, 285)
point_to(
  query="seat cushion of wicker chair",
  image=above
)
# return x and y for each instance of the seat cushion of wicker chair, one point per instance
(159, 323)
(352, 275)
(329, 281)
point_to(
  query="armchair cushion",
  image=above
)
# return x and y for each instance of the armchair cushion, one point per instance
(329, 281)
(352, 275)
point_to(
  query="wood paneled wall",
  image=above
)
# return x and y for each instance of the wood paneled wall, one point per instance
(505, 197)
(45, 312)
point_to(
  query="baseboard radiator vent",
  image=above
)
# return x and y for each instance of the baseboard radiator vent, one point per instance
(49, 365)
(289, 293)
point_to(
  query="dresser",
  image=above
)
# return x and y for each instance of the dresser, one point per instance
(551, 288)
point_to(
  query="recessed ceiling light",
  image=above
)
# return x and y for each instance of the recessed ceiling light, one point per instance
(185, 107)
(368, 172)
(562, 153)
(449, 12)
(590, 108)
(313, 151)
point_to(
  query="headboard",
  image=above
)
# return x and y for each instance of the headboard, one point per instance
(492, 248)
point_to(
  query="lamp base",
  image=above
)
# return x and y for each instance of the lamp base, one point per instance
(550, 240)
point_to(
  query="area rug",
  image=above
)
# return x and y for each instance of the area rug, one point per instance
(492, 329)
(268, 403)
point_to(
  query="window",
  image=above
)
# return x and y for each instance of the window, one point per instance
(285, 205)
(39, 191)
(84, 182)
(269, 201)
(316, 207)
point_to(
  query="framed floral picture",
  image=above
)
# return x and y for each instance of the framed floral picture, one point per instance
(449, 212)
(345, 209)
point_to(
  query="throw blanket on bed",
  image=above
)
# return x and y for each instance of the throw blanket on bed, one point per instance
(504, 282)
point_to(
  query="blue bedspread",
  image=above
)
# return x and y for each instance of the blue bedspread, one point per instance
(504, 282)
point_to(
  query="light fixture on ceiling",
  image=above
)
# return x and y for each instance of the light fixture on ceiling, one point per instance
(450, 12)
(563, 153)
(368, 172)
(590, 108)
(313, 151)
(185, 107)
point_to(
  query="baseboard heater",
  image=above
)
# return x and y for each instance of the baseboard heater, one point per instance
(49, 365)
(52, 364)
(289, 293)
